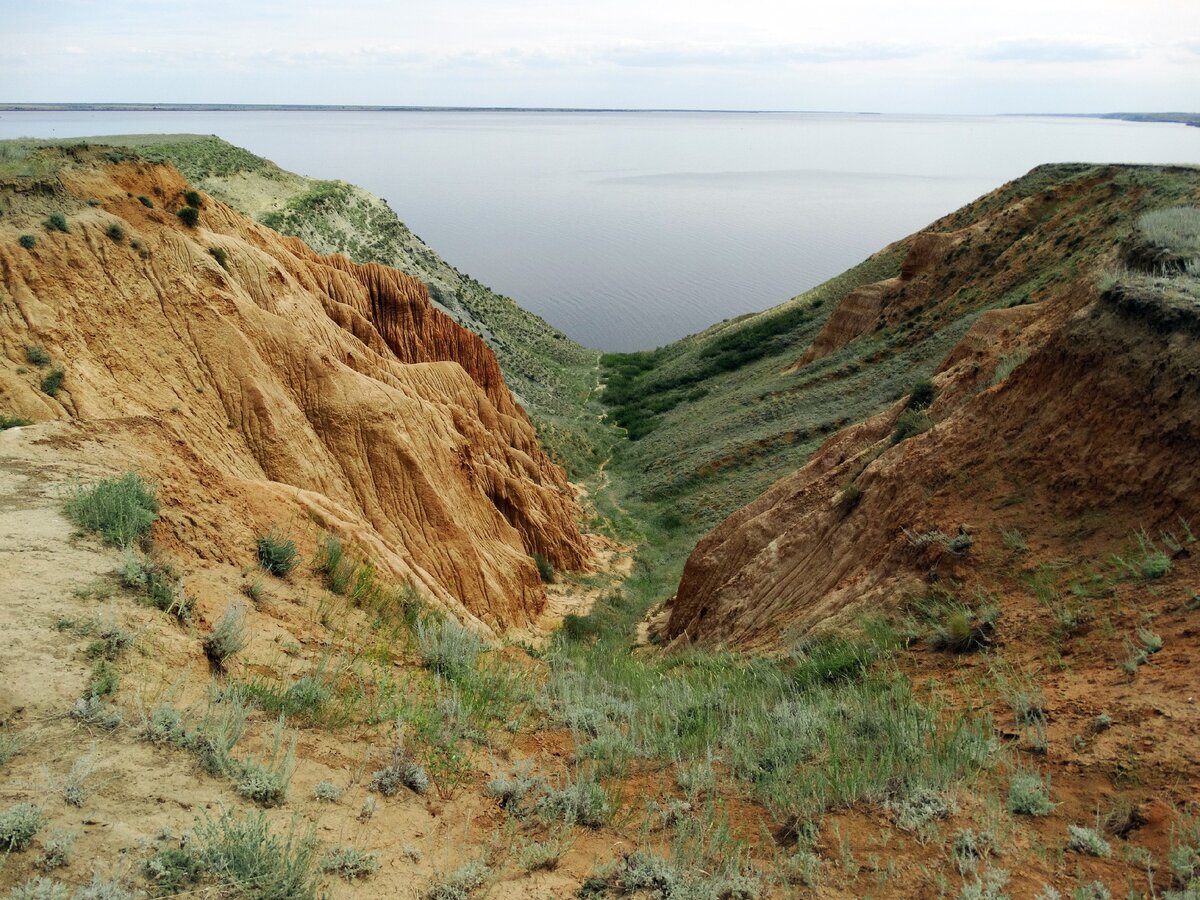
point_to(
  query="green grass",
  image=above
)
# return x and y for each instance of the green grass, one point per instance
(51, 383)
(1175, 229)
(37, 355)
(277, 553)
(121, 510)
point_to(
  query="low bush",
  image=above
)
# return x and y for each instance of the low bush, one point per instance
(350, 863)
(56, 851)
(52, 381)
(7, 422)
(121, 510)
(189, 216)
(964, 629)
(400, 772)
(580, 628)
(40, 889)
(1029, 794)
(27, 241)
(11, 745)
(18, 825)
(545, 568)
(266, 783)
(327, 792)
(517, 793)
(115, 232)
(460, 884)
(193, 198)
(228, 636)
(447, 648)
(910, 423)
(145, 201)
(56, 221)
(921, 395)
(104, 680)
(92, 711)
(158, 583)
(219, 254)
(277, 553)
(243, 856)
(1087, 840)
(849, 498)
(37, 355)
(581, 801)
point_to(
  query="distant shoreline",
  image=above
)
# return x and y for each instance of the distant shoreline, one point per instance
(1181, 118)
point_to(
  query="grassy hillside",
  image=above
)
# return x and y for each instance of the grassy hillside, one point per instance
(717, 417)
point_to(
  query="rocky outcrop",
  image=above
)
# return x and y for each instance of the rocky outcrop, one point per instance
(261, 383)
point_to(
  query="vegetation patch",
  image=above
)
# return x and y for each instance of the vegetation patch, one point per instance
(121, 510)
(277, 553)
(243, 856)
(19, 824)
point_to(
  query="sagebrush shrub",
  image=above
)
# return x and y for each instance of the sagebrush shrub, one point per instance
(1029, 794)
(228, 636)
(18, 825)
(1087, 840)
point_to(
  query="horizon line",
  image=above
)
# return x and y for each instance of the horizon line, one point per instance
(169, 106)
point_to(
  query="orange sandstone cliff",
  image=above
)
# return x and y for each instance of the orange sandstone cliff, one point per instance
(258, 384)
(1073, 420)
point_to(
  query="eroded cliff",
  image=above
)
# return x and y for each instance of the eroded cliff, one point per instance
(1072, 417)
(260, 383)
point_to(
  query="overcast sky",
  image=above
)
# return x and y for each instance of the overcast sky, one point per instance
(936, 56)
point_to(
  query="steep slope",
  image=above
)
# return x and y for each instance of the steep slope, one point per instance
(261, 383)
(552, 377)
(1073, 418)
(721, 416)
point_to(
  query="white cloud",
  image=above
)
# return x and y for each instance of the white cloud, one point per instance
(923, 56)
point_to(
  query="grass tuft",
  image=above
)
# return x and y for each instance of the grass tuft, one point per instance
(121, 510)
(277, 553)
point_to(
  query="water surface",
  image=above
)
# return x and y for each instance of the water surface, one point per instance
(629, 230)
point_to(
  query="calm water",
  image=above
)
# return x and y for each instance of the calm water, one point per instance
(629, 230)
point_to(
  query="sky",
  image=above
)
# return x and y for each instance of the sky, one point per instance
(923, 56)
